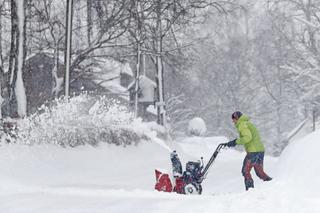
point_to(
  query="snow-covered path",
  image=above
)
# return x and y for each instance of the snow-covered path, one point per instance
(46, 178)
(72, 199)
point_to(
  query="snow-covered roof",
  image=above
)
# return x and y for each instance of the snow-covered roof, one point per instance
(152, 109)
(108, 76)
(48, 53)
(125, 68)
(144, 81)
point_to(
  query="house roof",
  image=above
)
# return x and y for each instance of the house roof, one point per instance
(143, 80)
(107, 75)
(125, 68)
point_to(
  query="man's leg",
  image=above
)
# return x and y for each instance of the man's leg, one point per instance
(246, 168)
(258, 167)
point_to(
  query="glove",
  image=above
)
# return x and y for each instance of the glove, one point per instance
(173, 154)
(231, 143)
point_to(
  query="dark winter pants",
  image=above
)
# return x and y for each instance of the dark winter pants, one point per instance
(255, 160)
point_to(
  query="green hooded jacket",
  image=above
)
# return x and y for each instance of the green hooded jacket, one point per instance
(249, 135)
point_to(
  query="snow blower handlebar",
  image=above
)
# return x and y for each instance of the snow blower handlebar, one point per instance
(213, 157)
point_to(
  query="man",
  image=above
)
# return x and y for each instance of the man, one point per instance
(249, 137)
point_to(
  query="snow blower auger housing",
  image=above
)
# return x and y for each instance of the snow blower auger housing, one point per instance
(189, 181)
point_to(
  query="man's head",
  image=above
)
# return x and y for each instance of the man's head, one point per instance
(235, 116)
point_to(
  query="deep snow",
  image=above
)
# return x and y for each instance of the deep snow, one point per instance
(38, 176)
(108, 178)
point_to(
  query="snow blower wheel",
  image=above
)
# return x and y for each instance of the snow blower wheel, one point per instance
(191, 189)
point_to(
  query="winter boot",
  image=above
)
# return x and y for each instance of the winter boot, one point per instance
(267, 179)
(248, 183)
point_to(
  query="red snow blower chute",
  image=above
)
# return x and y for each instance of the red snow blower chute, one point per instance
(189, 181)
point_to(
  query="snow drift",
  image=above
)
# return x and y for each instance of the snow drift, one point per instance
(299, 164)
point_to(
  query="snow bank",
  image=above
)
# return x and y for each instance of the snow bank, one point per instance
(299, 164)
(48, 168)
(82, 120)
(109, 178)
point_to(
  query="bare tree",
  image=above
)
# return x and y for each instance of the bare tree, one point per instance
(168, 19)
(301, 33)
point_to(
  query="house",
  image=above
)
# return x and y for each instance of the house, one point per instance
(38, 80)
(40, 83)
(109, 77)
(126, 75)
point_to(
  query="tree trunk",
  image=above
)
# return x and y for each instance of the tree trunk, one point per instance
(311, 31)
(1, 66)
(1, 50)
(55, 78)
(68, 45)
(20, 92)
(89, 21)
(16, 91)
(12, 104)
(160, 104)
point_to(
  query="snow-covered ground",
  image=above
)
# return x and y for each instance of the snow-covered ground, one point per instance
(38, 176)
(108, 178)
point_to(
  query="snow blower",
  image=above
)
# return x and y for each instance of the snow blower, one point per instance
(189, 181)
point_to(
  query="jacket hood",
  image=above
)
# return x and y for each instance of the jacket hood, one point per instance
(242, 118)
